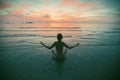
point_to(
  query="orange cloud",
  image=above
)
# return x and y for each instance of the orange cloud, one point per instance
(20, 9)
(5, 5)
(18, 12)
(85, 5)
(76, 4)
(62, 18)
(25, 5)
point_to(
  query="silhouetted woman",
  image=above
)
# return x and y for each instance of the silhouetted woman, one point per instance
(59, 47)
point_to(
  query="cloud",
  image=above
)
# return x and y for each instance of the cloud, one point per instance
(18, 9)
(5, 5)
(76, 4)
(18, 12)
(62, 10)
(22, 5)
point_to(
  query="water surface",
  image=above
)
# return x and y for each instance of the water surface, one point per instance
(23, 58)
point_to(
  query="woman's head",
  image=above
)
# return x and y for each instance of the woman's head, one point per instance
(59, 36)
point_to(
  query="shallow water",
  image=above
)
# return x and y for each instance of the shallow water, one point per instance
(23, 58)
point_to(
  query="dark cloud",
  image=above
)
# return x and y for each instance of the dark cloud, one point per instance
(109, 3)
(1, 2)
(4, 5)
(112, 3)
(46, 16)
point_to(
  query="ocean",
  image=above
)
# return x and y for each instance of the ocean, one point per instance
(22, 57)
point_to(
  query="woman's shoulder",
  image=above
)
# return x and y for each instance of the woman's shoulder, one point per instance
(59, 42)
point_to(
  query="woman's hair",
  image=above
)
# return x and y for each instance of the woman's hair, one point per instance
(59, 36)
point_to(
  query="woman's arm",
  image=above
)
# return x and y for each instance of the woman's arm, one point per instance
(71, 46)
(49, 47)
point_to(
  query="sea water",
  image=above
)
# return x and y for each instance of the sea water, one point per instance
(22, 57)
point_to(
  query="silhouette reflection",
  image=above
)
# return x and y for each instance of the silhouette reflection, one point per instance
(59, 67)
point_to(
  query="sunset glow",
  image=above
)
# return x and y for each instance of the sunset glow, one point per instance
(60, 10)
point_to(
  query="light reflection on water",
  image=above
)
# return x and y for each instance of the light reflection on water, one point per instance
(88, 34)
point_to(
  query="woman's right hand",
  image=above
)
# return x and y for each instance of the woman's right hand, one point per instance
(77, 44)
(42, 43)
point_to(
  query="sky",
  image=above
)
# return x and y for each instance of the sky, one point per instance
(60, 10)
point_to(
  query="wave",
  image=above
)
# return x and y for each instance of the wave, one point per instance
(50, 27)
(112, 32)
(22, 46)
(7, 47)
(30, 35)
(40, 30)
(20, 35)
(101, 44)
(87, 38)
(91, 34)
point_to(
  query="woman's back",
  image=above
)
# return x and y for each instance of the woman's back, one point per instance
(59, 47)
